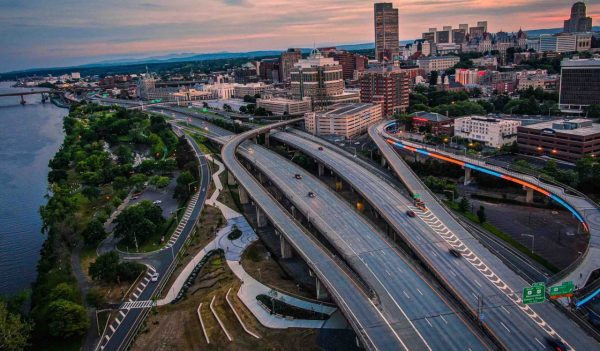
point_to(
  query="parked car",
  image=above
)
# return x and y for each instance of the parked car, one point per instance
(320, 148)
(311, 194)
(455, 253)
(157, 202)
(298, 176)
(410, 213)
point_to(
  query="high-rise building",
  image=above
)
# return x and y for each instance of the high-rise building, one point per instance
(442, 37)
(464, 27)
(317, 77)
(579, 22)
(269, 69)
(459, 35)
(484, 25)
(350, 62)
(386, 85)
(287, 62)
(579, 85)
(387, 42)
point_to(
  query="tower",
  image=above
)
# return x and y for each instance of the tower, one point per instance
(387, 43)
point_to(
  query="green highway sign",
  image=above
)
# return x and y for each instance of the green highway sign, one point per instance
(417, 196)
(564, 290)
(534, 294)
(205, 110)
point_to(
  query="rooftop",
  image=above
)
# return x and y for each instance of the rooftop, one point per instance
(430, 116)
(581, 63)
(578, 126)
(343, 109)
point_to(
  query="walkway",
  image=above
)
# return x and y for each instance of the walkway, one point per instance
(250, 287)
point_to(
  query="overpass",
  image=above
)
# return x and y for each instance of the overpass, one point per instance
(582, 208)
(483, 283)
(369, 323)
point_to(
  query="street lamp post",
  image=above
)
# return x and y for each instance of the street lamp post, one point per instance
(532, 240)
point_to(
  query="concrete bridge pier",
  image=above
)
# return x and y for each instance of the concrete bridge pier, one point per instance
(322, 293)
(321, 169)
(383, 161)
(261, 219)
(467, 179)
(529, 195)
(267, 143)
(23, 102)
(244, 199)
(285, 247)
(230, 178)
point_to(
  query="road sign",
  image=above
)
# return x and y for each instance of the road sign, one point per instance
(417, 196)
(564, 290)
(205, 110)
(534, 294)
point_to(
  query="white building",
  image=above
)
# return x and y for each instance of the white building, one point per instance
(221, 91)
(347, 120)
(490, 131)
(251, 89)
(437, 63)
(282, 106)
(75, 75)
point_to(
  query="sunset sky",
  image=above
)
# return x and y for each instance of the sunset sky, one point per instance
(43, 33)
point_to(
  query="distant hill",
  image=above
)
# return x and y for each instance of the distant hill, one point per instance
(192, 57)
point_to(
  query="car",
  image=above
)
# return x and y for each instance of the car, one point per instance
(556, 344)
(410, 213)
(298, 176)
(311, 194)
(154, 277)
(135, 197)
(455, 253)
(320, 148)
(157, 202)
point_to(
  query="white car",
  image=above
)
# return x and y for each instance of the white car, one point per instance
(157, 202)
(154, 277)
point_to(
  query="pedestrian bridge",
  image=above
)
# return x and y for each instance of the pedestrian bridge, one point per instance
(581, 207)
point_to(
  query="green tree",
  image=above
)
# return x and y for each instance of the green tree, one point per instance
(481, 214)
(129, 271)
(64, 291)
(105, 267)
(93, 232)
(66, 319)
(135, 224)
(183, 189)
(159, 181)
(14, 331)
(463, 205)
(594, 111)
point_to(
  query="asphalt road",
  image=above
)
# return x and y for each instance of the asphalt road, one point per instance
(516, 325)
(162, 261)
(369, 323)
(413, 307)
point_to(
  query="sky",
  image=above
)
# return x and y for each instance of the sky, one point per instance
(53, 33)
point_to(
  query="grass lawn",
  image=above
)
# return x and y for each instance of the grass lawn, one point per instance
(153, 242)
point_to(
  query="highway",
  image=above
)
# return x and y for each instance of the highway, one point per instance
(478, 274)
(407, 299)
(585, 210)
(368, 322)
(164, 264)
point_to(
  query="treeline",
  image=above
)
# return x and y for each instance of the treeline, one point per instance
(90, 175)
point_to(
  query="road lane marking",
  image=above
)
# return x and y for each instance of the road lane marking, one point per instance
(505, 327)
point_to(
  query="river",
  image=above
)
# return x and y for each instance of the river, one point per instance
(30, 135)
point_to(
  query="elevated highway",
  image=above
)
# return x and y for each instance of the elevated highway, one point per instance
(369, 323)
(484, 284)
(581, 207)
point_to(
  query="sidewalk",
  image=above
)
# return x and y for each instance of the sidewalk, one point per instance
(250, 287)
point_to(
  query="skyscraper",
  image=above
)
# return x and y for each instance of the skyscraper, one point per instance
(287, 62)
(387, 43)
(579, 22)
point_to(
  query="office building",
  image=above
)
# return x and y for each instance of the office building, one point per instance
(437, 63)
(459, 36)
(579, 84)
(320, 78)
(388, 86)
(245, 74)
(466, 76)
(484, 25)
(568, 140)
(429, 36)
(287, 61)
(250, 89)
(490, 131)
(584, 41)
(442, 37)
(351, 63)
(436, 123)
(547, 83)
(269, 69)
(387, 42)
(578, 22)
(347, 120)
(285, 107)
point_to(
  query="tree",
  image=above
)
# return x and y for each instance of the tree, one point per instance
(183, 188)
(159, 181)
(93, 232)
(433, 78)
(463, 205)
(66, 319)
(14, 331)
(105, 267)
(227, 108)
(481, 214)
(135, 224)
(64, 291)
(129, 271)
(594, 111)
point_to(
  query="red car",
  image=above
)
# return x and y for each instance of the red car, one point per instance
(410, 213)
